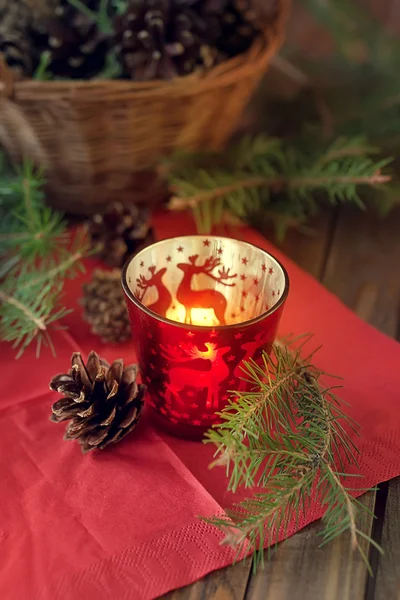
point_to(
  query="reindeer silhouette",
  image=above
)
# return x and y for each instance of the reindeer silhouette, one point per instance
(251, 352)
(208, 298)
(211, 378)
(164, 300)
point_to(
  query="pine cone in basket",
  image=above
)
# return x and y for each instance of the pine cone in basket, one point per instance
(77, 47)
(235, 26)
(103, 402)
(104, 306)
(120, 232)
(160, 39)
(16, 48)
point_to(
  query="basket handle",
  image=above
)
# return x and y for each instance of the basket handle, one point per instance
(6, 80)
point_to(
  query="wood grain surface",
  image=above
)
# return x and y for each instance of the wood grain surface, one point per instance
(357, 257)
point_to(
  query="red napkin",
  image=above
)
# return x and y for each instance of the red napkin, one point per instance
(123, 523)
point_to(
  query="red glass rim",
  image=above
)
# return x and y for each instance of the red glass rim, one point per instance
(187, 326)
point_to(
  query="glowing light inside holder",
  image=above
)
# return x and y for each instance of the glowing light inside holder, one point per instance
(199, 316)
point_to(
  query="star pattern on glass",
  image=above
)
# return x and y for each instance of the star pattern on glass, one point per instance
(232, 382)
(180, 249)
(154, 352)
(257, 297)
(150, 336)
(206, 243)
(266, 307)
(230, 358)
(270, 270)
(206, 416)
(194, 405)
(190, 394)
(186, 416)
(169, 258)
(225, 397)
(163, 411)
(245, 260)
(256, 281)
(278, 292)
(220, 251)
(129, 279)
(196, 422)
(242, 309)
(244, 294)
(264, 268)
(213, 334)
(237, 336)
(233, 315)
(273, 293)
(141, 264)
(173, 420)
(190, 334)
(243, 277)
(152, 366)
(164, 370)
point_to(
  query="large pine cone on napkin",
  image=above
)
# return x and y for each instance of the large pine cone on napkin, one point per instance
(103, 402)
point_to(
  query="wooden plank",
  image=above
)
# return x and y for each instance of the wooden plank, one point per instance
(225, 584)
(309, 250)
(301, 569)
(388, 578)
(359, 269)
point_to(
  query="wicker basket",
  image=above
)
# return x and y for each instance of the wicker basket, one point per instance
(93, 137)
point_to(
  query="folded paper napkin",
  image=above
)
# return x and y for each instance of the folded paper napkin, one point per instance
(123, 523)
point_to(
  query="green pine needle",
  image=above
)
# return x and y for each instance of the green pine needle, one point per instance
(267, 175)
(36, 258)
(288, 437)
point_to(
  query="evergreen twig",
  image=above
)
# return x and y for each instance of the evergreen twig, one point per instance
(36, 258)
(288, 436)
(266, 174)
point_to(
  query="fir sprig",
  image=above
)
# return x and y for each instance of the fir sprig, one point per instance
(36, 258)
(288, 438)
(266, 174)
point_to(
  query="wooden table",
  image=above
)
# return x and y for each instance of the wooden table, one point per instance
(357, 257)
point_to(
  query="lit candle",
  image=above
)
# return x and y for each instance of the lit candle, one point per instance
(199, 307)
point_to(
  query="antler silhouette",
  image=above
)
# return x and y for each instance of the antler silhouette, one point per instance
(144, 283)
(223, 273)
(209, 354)
(211, 263)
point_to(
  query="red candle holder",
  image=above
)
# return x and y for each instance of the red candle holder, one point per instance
(199, 307)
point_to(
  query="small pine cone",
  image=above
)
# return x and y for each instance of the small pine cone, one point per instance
(16, 47)
(77, 48)
(161, 39)
(103, 402)
(104, 306)
(120, 232)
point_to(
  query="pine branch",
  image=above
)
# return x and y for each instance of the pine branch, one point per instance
(289, 437)
(266, 175)
(36, 258)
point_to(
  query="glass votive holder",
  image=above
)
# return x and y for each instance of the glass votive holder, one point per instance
(199, 307)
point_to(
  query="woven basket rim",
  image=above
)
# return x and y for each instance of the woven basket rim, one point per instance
(263, 48)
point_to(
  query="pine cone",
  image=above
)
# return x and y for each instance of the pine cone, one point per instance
(104, 306)
(160, 39)
(103, 402)
(76, 46)
(16, 47)
(235, 28)
(120, 232)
